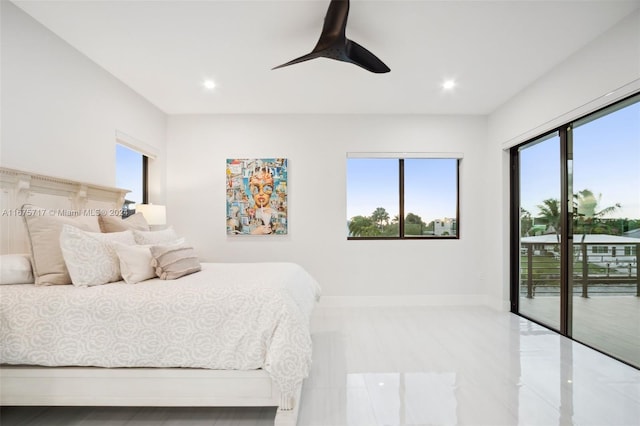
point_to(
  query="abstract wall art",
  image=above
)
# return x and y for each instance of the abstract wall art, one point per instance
(256, 196)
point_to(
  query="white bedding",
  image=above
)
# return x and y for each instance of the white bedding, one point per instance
(229, 316)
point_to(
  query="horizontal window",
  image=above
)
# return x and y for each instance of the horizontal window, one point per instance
(402, 198)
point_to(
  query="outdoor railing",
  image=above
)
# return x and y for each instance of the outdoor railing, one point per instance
(592, 272)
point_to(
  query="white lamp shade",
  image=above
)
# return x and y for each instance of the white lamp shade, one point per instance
(154, 214)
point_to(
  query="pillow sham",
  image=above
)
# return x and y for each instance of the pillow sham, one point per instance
(16, 269)
(156, 237)
(117, 224)
(43, 231)
(174, 261)
(89, 256)
(135, 262)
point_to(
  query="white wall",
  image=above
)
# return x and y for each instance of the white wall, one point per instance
(604, 71)
(436, 271)
(60, 111)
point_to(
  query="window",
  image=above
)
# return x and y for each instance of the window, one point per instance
(131, 174)
(402, 198)
(599, 249)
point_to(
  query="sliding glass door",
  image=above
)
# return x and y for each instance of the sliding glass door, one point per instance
(576, 230)
(606, 234)
(539, 230)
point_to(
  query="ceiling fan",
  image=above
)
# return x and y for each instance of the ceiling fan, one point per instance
(334, 44)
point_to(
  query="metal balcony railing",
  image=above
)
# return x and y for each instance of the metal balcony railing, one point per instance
(596, 269)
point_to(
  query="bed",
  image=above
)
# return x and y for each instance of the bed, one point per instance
(227, 335)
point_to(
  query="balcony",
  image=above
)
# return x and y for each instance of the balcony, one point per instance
(604, 292)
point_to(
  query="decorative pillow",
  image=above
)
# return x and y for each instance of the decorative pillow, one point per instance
(43, 230)
(117, 224)
(135, 262)
(156, 237)
(174, 261)
(89, 256)
(16, 269)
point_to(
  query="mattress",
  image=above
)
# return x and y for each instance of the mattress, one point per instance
(229, 316)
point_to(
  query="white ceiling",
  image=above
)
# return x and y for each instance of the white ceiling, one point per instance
(165, 49)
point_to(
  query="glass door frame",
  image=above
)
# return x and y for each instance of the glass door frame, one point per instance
(565, 133)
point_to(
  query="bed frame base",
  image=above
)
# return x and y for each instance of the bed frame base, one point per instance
(149, 387)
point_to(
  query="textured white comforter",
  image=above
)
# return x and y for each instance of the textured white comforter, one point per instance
(229, 316)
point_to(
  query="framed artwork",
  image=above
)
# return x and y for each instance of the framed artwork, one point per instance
(256, 196)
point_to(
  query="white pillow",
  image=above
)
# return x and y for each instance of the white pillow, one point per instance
(155, 237)
(89, 256)
(135, 262)
(16, 269)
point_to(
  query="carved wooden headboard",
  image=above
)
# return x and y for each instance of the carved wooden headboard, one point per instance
(54, 194)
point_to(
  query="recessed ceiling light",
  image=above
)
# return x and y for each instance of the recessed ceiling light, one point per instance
(209, 84)
(449, 84)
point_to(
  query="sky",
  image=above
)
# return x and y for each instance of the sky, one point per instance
(606, 161)
(129, 172)
(430, 187)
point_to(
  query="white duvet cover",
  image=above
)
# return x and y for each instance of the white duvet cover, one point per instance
(229, 316)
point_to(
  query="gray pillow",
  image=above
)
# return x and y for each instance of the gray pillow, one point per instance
(174, 261)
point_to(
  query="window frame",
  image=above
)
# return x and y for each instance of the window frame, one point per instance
(401, 192)
(145, 178)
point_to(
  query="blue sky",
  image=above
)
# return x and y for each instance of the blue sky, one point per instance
(430, 187)
(606, 161)
(129, 172)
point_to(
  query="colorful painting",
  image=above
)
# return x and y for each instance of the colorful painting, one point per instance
(257, 196)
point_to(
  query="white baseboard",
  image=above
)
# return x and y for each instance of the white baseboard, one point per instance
(405, 300)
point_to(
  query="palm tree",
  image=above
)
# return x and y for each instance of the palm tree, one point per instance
(550, 213)
(586, 209)
(380, 216)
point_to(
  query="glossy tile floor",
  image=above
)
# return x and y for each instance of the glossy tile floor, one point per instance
(609, 323)
(419, 366)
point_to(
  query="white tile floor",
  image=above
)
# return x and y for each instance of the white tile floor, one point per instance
(420, 366)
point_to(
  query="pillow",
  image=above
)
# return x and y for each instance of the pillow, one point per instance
(117, 224)
(174, 261)
(16, 269)
(135, 262)
(89, 256)
(156, 237)
(43, 231)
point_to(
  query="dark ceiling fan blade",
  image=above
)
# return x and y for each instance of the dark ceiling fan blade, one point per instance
(333, 43)
(360, 56)
(302, 58)
(335, 24)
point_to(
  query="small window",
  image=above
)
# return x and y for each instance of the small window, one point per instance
(402, 198)
(131, 174)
